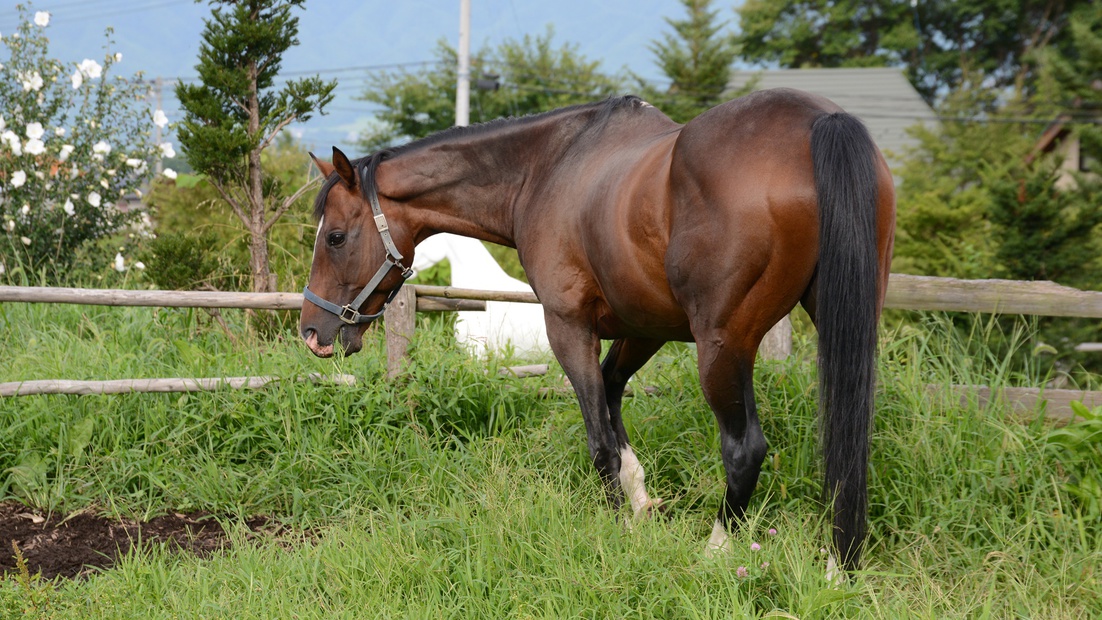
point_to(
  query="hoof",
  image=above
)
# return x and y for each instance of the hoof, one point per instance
(653, 508)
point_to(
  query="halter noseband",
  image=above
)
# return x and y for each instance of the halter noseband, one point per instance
(350, 313)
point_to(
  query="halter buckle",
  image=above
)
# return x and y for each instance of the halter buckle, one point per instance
(380, 223)
(349, 314)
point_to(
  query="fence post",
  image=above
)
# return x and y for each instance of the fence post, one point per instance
(777, 344)
(399, 319)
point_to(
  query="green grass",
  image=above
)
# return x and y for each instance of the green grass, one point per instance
(454, 492)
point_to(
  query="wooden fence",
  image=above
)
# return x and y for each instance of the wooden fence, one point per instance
(905, 292)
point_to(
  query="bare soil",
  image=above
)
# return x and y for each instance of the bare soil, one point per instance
(76, 544)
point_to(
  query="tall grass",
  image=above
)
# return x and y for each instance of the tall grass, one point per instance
(455, 492)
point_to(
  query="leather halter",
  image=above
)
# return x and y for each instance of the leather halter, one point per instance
(350, 313)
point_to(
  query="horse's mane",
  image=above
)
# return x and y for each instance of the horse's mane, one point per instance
(605, 109)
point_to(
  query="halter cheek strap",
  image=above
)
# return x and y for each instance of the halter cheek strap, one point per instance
(350, 313)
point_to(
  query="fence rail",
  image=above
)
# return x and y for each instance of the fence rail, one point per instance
(905, 292)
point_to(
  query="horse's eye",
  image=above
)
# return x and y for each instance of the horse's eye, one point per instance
(336, 239)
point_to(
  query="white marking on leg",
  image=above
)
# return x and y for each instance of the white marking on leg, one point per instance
(835, 576)
(631, 481)
(719, 542)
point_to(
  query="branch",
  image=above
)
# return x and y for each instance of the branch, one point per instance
(232, 202)
(283, 123)
(288, 202)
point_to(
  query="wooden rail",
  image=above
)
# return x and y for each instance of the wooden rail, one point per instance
(127, 386)
(905, 292)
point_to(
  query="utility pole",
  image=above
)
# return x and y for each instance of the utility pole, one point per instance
(463, 83)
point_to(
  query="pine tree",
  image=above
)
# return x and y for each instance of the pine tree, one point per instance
(237, 112)
(697, 58)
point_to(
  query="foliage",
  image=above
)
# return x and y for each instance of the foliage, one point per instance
(191, 206)
(73, 140)
(1078, 446)
(181, 262)
(942, 44)
(236, 113)
(1045, 232)
(531, 76)
(697, 58)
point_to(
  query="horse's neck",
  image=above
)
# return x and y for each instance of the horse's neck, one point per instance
(467, 182)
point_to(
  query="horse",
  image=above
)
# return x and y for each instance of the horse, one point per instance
(503, 324)
(633, 228)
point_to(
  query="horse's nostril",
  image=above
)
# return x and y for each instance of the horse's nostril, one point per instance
(309, 333)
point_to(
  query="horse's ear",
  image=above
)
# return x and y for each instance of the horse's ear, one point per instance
(324, 167)
(344, 168)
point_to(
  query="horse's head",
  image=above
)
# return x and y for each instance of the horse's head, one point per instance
(357, 265)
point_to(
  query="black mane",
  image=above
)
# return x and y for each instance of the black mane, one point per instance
(371, 162)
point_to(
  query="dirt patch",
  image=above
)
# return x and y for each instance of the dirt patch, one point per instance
(74, 545)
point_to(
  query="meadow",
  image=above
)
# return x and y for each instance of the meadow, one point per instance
(454, 492)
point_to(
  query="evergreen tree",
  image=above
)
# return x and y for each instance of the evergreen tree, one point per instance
(515, 79)
(697, 58)
(237, 112)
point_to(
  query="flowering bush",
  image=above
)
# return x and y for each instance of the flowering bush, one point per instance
(73, 141)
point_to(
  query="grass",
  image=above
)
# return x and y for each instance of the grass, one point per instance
(458, 493)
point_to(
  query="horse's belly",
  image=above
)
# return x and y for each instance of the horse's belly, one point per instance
(642, 315)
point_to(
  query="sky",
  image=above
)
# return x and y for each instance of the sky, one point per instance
(343, 39)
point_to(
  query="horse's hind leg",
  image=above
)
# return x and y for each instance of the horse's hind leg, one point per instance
(623, 359)
(726, 377)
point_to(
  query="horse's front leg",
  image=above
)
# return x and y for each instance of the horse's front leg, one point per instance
(578, 350)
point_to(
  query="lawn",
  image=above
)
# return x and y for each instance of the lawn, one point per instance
(456, 492)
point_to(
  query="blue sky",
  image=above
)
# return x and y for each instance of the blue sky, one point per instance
(341, 37)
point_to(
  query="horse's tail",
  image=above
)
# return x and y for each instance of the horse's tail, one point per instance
(846, 314)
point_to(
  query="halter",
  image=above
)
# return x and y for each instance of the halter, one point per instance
(350, 313)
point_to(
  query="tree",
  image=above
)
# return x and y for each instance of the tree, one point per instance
(942, 43)
(518, 78)
(73, 139)
(236, 112)
(697, 58)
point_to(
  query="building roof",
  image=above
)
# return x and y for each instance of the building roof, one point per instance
(880, 96)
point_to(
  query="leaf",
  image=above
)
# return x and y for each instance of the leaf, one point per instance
(29, 475)
(80, 435)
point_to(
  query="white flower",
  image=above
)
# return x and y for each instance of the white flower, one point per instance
(120, 266)
(35, 131)
(66, 150)
(13, 142)
(138, 265)
(101, 147)
(159, 118)
(118, 56)
(25, 240)
(60, 131)
(77, 78)
(10, 225)
(133, 163)
(170, 173)
(105, 184)
(68, 207)
(90, 68)
(42, 18)
(94, 199)
(167, 150)
(2, 123)
(31, 81)
(26, 210)
(35, 147)
(18, 178)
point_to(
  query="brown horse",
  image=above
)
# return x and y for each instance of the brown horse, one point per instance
(634, 228)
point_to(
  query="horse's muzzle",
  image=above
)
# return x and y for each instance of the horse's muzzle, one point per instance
(311, 338)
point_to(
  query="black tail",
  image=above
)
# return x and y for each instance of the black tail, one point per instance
(846, 315)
